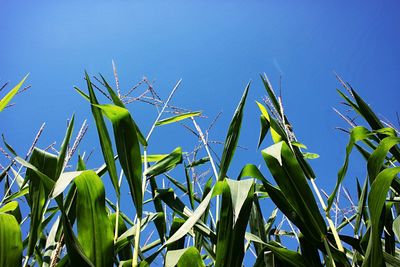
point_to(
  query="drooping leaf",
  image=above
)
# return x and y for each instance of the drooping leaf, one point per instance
(376, 160)
(232, 137)
(118, 102)
(358, 133)
(128, 150)
(95, 233)
(10, 241)
(178, 118)
(7, 98)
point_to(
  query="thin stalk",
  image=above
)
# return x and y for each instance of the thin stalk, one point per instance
(205, 143)
(26, 259)
(328, 217)
(162, 110)
(137, 243)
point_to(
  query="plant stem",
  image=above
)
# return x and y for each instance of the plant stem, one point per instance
(137, 242)
(205, 143)
(328, 217)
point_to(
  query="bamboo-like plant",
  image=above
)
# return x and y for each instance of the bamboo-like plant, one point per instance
(220, 221)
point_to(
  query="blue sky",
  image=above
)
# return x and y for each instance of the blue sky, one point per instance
(216, 48)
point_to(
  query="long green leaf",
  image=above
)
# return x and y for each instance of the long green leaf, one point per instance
(128, 150)
(10, 241)
(7, 98)
(104, 137)
(39, 190)
(95, 233)
(376, 201)
(178, 118)
(232, 137)
(290, 178)
(64, 148)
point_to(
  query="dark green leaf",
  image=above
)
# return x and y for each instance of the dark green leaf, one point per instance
(128, 150)
(232, 137)
(104, 137)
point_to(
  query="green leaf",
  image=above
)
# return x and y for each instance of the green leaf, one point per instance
(264, 123)
(396, 227)
(104, 137)
(64, 147)
(310, 155)
(184, 257)
(178, 118)
(232, 137)
(13, 209)
(40, 185)
(198, 162)
(376, 200)
(357, 133)
(118, 102)
(128, 149)
(290, 178)
(7, 98)
(65, 179)
(154, 157)
(95, 233)
(191, 221)
(239, 191)
(361, 206)
(377, 158)
(10, 241)
(166, 164)
(237, 198)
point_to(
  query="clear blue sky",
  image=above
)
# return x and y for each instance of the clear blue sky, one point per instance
(216, 48)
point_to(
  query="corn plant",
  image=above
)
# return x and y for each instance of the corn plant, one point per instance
(221, 219)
